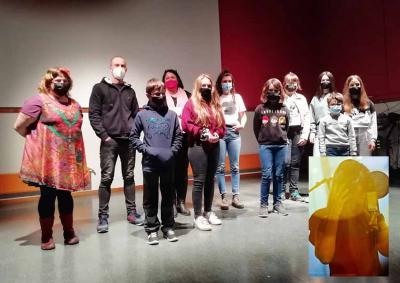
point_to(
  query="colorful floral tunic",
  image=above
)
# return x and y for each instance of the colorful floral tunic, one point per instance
(54, 154)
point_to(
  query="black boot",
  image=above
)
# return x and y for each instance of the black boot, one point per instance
(180, 207)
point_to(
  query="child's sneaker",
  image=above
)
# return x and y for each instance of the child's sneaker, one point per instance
(152, 238)
(263, 213)
(295, 196)
(202, 224)
(135, 218)
(212, 218)
(170, 235)
(278, 208)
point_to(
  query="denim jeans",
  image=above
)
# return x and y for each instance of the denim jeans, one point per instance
(272, 159)
(229, 144)
(337, 150)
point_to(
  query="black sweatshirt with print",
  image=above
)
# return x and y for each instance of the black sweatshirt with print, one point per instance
(270, 124)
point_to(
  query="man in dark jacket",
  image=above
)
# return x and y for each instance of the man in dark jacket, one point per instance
(112, 109)
(161, 144)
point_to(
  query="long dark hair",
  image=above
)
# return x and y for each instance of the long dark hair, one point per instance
(175, 72)
(218, 83)
(332, 89)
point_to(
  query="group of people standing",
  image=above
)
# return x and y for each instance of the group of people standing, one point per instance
(179, 128)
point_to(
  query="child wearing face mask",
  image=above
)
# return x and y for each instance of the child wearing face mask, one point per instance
(336, 133)
(161, 143)
(203, 121)
(362, 112)
(319, 106)
(270, 125)
(235, 119)
(298, 132)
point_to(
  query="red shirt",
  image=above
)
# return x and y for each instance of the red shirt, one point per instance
(193, 129)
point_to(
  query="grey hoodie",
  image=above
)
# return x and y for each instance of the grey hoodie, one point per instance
(336, 131)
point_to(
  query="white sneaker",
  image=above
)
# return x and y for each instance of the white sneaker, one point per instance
(202, 224)
(213, 219)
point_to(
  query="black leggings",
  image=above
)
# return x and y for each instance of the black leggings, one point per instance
(47, 200)
(204, 165)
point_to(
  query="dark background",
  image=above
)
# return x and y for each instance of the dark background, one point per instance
(264, 39)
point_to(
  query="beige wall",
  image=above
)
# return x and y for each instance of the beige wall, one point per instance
(152, 35)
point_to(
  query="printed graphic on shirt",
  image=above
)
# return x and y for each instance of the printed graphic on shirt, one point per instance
(229, 107)
(158, 127)
(269, 111)
(282, 120)
(274, 121)
(265, 120)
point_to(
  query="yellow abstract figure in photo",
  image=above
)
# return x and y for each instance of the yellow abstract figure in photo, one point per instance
(350, 231)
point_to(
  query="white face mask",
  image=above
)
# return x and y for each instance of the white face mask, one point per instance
(118, 73)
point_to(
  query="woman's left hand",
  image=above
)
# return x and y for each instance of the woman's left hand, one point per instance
(371, 146)
(302, 142)
(213, 138)
(237, 127)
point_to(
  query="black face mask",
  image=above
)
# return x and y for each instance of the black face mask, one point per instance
(273, 97)
(159, 99)
(325, 85)
(206, 94)
(159, 104)
(61, 89)
(355, 93)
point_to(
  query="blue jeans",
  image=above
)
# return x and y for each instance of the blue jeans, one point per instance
(272, 159)
(230, 143)
(337, 150)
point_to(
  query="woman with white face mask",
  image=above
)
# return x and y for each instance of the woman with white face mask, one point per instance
(363, 115)
(235, 119)
(298, 132)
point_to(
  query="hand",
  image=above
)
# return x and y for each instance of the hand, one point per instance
(339, 195)
(237, 127)
(312, 138)
(371, 146)
(213, 138)
(107, 139)
(302, 142)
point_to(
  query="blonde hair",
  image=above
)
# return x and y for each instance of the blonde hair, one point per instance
(200, 106)
(338, 97)
(52, 73)
(292, 78)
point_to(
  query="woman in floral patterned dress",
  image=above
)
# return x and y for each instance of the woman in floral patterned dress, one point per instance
(54, 155)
